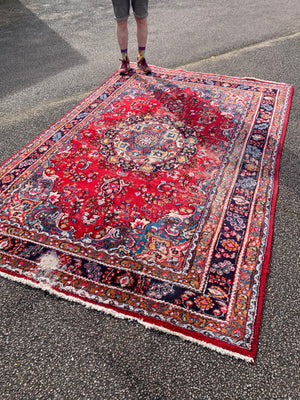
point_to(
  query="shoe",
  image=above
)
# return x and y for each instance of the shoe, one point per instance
(143, 66)
(124, 67)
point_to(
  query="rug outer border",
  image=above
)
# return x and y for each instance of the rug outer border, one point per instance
(267, 257)
(147, 322)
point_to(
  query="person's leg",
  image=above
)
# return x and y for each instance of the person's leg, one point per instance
(121, 13)
(142, 34)
(140, 10)
(141, 31)
(122, 35)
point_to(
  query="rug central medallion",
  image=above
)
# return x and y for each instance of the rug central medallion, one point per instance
(149, 146)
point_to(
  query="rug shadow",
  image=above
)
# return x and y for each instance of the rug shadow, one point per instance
(30, 50)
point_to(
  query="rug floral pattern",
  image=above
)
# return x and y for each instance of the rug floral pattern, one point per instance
(154, 198)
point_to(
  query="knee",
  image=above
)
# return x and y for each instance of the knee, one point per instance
(141, 21)
(122, 24)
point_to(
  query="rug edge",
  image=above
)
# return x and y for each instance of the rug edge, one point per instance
(266, 263)
(122, 315)
(230, 76)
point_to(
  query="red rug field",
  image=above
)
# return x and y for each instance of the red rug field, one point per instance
(154, 199)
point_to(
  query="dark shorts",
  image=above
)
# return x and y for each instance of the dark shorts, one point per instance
(122, 8)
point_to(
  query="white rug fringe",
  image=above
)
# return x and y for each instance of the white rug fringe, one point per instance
(116, 314)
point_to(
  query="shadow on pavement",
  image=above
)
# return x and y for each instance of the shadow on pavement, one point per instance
(30, 50)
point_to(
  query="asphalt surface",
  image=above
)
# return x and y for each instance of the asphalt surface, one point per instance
(52, 54)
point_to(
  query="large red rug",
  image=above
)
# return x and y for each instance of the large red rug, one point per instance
(153, 199)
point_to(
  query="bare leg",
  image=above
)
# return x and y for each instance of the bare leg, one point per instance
(141, 31)
(122, 34)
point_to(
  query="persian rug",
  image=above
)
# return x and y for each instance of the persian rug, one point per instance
(153, 199)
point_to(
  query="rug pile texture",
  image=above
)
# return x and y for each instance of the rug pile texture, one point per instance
(153, 199)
